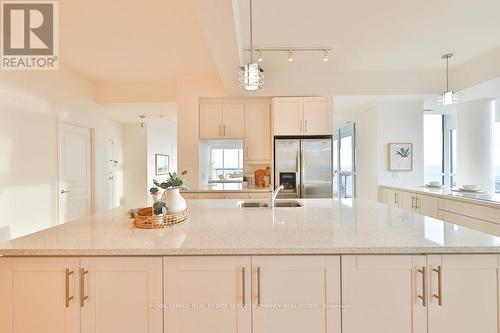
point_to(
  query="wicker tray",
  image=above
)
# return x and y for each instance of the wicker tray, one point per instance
(144, 219)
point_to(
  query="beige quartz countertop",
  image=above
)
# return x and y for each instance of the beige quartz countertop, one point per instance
(480, 198)
(219, 227)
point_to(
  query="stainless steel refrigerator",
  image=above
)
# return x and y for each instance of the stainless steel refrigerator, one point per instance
(304, 167)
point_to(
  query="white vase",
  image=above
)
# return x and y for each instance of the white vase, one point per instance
(156, 196)
(174, 200)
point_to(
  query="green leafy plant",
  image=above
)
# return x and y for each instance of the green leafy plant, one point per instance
(403, 152)
(173, 181)
(159, 208)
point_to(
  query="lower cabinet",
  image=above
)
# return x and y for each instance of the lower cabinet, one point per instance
(251, 294)
(296, 294)
(381, 294)
(435, 294)
(39, 295)
(419, 203)
(66, 295)
(463, 293)
(207, 294)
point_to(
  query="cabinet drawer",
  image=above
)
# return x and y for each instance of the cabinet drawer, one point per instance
(471, 210)
(469, 222)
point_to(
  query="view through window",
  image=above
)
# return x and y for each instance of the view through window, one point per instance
(227, 162)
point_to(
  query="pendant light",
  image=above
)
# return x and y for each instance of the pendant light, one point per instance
(251, 75)
(448, 97)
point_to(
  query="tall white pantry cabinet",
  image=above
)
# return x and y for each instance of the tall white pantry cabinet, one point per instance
(232, 294)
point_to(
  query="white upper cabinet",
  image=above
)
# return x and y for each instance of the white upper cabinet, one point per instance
(233, 117)
(257, 133)
(302, 116)
(222, 121)
(317, 116)
(210, 121)
(288, 114)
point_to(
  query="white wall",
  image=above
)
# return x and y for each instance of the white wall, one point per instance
(161, 139)
(378, 125)
(476, 163)
(31, 105)
(135, 165)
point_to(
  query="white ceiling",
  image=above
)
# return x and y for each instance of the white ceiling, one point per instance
(383, 35)
(129, 112)
(133, 41)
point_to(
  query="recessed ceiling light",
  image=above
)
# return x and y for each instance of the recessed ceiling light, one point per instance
(260, 57)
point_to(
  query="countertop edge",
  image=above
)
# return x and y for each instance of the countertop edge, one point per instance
(446, 197)
(5, 253)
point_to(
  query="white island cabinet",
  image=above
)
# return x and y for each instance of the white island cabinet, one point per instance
(209, 294)
(434, 294)
(87, 295)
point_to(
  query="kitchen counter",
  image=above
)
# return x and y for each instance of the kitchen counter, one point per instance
(480, 198)
(219, 227)
(230, 187)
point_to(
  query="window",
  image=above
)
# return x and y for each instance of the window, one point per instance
(226, 161)
(440, 149)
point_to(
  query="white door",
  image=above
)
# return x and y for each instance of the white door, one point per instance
(463, 293)
(123, 294)
(317, 120)
(233, 116)
(111, 164)
(382, 294)
(296, 294)
(257, 132)
(210, 121)
(288, 116)
(39, 295)
(75, 172)
(207, 294)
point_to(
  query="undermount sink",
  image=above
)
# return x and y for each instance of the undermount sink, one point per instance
(262, 204)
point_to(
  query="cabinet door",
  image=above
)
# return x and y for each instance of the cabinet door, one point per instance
(210, 121)
(233, 126)
(469, 293)
(428, 205)
(407, 200)
(296, 294)
(380, 294)
(207, 294)
(207, 195)
(391, 197)
(39, 295)
(257, 132)
(235, 195)
(317, 120)
(288, 116)
(124, 295)
(469, 222)
(259, 195)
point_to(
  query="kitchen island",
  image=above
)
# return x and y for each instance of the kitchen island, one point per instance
(346, 265)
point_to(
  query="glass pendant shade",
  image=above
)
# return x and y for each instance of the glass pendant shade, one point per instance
(251, 77)
(448, 98)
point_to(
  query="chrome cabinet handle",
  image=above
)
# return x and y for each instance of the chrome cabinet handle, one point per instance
(82, 287)
(220, 130)
(439, 295)
(416, 202)
(243, 292)
(223, 130)
(395, 198)
(300, 126)
(305, 126)
(423, 297)
(67, 274)
(258, 286)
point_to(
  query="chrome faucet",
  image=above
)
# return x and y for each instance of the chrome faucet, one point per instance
(274, 194)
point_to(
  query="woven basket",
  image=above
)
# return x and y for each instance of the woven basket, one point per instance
(145, 219)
